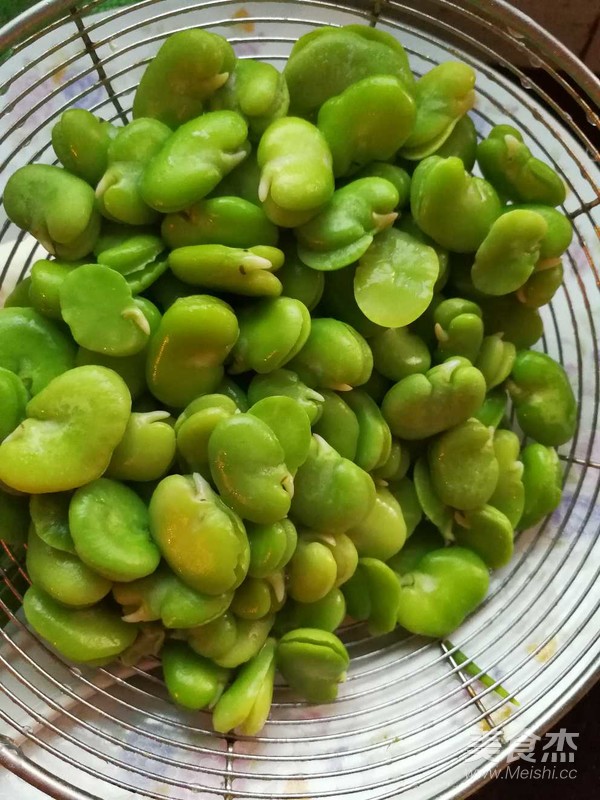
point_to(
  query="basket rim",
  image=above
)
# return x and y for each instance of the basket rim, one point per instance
(45, 12)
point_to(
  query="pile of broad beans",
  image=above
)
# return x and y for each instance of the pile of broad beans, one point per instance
(261, 386)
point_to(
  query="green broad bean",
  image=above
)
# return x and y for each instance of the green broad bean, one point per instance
(434, 509)
(146, 450)
(245, 705)
(341, 233)
(405, 494)
(186, 353)
(259, 597)
(343, 551)
(257, 91)
(64, 577)
(13, 402)
(506, 161)
(296, 178)
(93, 635)
(50, 518)
(188, 68)
(394, 281)
(442, 183)
(425, 539)
(326, 614)
(81, 141)
(335, 356)
(462, 143)
(272, 332)
(126, 249)
(508, 254)
(540, 287)
(167, 289)
(397, 176)
(110, 528)
(495, 360)
(97, 305)
(287, 383)
(519, 324)
(119, 192)
(163, 596)
(19, 296)
(223, 634)
(441, 590)
(194, 428)
(407, 224)
(33, 348)
(55, 207)
(382, 533)
(558, 236)
(374, 437)
(320, 563)
(447, 310)
(331, 494)
(396, 466)
(542, 482)
(201, 539)
(299, 281)
(203, 403)
(14, 518)
(242, 183)
(488, 533)
(150, 311)
(368, 121)
(271, 547)
(543, 398)
(193, 160)
(442, 96)
(328, 60)
(458, 329)
(229, 269)
(139, 257)
(192, 681)
(71, 430)
(509, 494)
(247, 464)
(313, 662)
(463, 465)
(46, 279)
(230, 389)
(424, 325)
(420, 406)
(373, 594)
(398, 352)
(228, 221)
(290, 424)
(229, 641)
(338, 425)
(339, 302)
(492, 411)
(132, 369)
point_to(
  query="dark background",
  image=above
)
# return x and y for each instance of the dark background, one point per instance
(583, 719)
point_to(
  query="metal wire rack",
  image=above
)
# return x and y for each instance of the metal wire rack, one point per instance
(410, 721)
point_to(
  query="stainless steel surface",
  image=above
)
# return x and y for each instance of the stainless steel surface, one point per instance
(409, 722)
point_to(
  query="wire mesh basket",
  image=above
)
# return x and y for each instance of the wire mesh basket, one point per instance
(411, 720)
